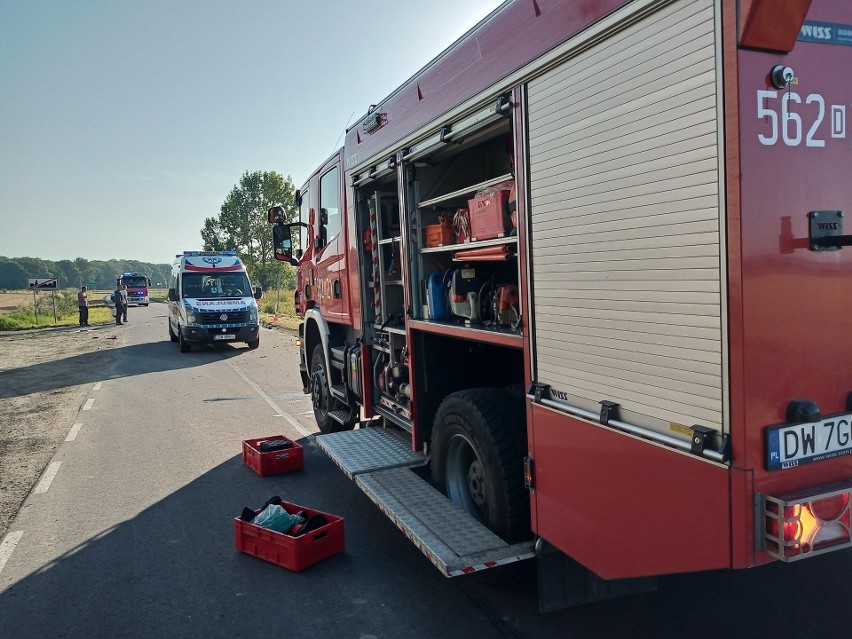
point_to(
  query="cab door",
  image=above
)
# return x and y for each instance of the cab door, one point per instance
(330, 279)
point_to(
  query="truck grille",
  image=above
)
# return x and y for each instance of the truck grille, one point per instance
(233, 317)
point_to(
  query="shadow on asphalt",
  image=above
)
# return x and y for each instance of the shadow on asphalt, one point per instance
(173, 571)
(98, 366)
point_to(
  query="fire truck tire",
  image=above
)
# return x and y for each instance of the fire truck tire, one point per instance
(478, 446)
(185, 346)
(172, 335)
(321, 397)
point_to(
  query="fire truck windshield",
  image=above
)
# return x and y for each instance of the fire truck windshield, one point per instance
(135, 282)
(205, 285)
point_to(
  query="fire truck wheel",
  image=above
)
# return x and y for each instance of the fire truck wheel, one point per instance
(172, 335)
(321, 398)
(478, 446)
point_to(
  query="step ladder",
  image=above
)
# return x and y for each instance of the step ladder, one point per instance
(382, 464)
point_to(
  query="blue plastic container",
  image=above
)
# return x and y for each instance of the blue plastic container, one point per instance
(436, 298)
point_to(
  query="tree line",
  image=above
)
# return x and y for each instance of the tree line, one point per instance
(240, 226)
(15, 272)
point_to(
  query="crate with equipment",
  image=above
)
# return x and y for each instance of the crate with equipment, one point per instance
(272, 455)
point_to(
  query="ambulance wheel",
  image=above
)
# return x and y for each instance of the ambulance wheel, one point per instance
(185, 346)
(253, 344)
(321, 398)
(172, 335)
(478, 447)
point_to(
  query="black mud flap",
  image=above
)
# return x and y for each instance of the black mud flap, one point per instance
(563, 583)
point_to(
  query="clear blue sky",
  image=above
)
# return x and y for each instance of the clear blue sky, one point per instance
(125, 123)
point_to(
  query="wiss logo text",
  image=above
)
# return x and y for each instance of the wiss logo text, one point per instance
(821, 33)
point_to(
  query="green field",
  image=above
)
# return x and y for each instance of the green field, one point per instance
(18, 308)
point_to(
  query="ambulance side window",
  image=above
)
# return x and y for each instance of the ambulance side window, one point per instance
(329, 206)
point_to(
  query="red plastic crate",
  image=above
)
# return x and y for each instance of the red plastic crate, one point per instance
(277, 461)
(293, 553)
(488, 216)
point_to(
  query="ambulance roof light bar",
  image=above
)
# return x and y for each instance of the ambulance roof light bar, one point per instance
(205, 253)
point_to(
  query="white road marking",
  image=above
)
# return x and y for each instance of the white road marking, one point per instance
(72, 434)
(97, 386)
(8, 546)
(88, 404)
(279, 412)
(47, 478)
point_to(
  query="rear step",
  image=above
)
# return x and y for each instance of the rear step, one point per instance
(380, 462)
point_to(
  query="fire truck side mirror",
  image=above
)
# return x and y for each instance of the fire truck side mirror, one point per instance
(276, 215)
(282, 243)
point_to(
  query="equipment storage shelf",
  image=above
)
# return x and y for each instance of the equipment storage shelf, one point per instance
(464, 192)
(470, 245)
(448, 220)
(491, 335)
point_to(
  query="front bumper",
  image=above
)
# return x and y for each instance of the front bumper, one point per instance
(209, 334)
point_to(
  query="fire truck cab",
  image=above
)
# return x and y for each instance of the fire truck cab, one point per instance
(137, 288)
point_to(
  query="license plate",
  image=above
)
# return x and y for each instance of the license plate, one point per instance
(224, 336)
(792, 445)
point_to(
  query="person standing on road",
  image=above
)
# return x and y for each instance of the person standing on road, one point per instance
(83, 306)
(119, 298)
(126, 300)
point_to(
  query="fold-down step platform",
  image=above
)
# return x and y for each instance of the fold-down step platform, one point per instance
(379, 461)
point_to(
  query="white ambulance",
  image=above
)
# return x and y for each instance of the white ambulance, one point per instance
(211, 300)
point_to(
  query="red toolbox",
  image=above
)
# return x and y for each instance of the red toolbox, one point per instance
(276, 460)
(488, 215)
(439, 234)
(294, 553)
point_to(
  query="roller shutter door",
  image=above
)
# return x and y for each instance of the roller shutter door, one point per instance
(625, 222)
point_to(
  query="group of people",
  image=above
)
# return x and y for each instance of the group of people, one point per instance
(119, 298)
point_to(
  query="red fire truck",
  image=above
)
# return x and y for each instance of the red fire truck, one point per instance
(137, 288)
(583, 279)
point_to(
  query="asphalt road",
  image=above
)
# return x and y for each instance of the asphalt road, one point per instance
(130, 532)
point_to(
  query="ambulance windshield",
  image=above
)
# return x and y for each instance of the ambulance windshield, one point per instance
(213, 285)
